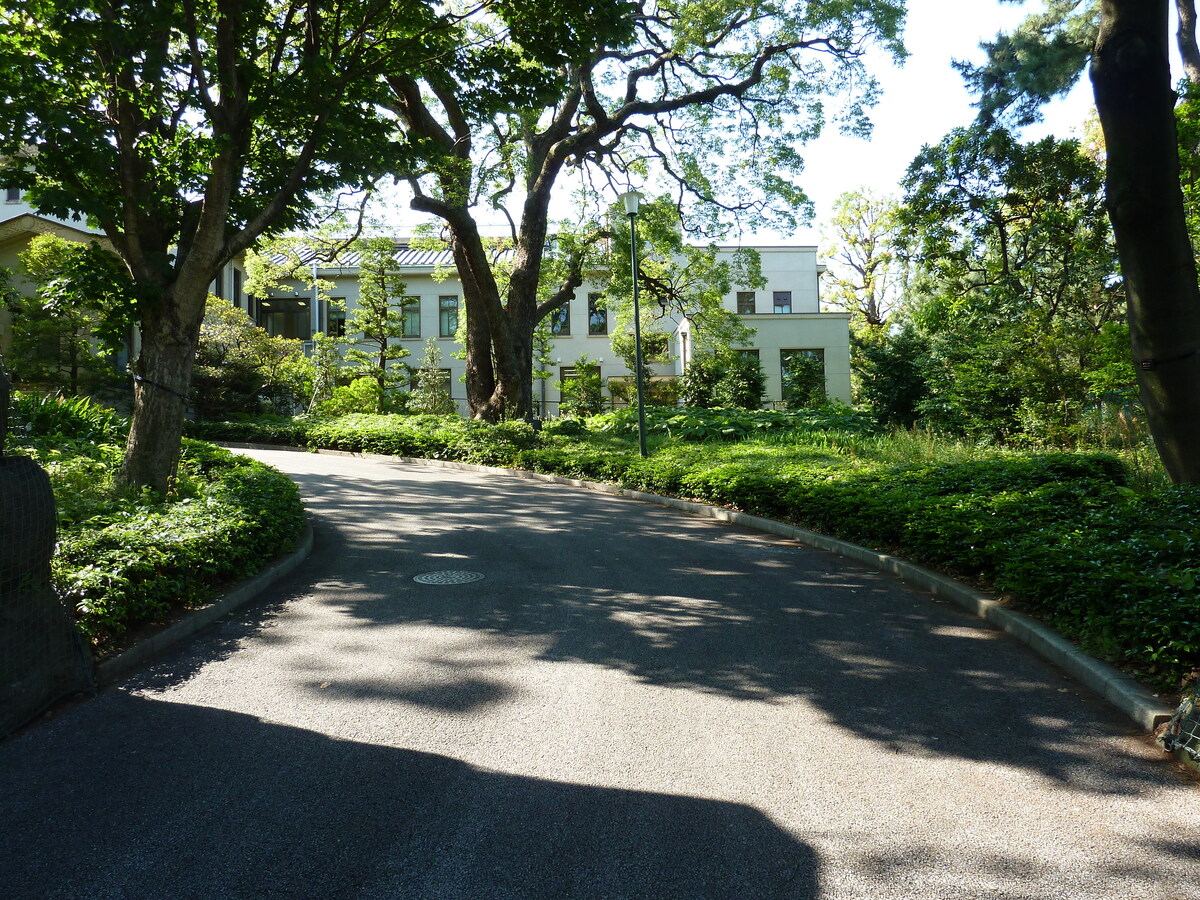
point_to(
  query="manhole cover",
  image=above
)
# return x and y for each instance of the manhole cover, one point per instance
(450, 576)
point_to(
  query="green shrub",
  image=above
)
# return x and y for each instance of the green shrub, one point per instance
(142, 557)
(127, 557)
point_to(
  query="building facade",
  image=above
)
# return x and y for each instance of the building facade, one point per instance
(785, 314)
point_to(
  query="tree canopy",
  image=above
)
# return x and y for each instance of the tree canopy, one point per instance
(1126, 43)
(185, 129)
(712, 96)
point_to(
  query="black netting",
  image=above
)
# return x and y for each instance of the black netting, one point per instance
(42, 658)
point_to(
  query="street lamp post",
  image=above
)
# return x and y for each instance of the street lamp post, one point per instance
(632, 199)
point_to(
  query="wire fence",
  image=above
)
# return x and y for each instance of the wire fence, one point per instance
(1182, 733)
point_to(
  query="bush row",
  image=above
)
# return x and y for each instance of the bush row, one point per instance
(1062, 534)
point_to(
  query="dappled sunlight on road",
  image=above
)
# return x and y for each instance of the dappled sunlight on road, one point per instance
(907, 748)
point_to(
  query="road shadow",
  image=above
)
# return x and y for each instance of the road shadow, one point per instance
(688, 603)
(133, 797)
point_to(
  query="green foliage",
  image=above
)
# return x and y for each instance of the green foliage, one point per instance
(1041, 59)
(582, 394)
(867, 270)
(80, 313)
(362, 395)
(239, 367)
(431, 394)
(803, 381)
(126, 557)
(888, 369)
(1016, 301)
(378, 319)
(723, 379)
(54, 418)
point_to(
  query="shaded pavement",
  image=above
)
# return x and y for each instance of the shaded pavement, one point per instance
(631, 702)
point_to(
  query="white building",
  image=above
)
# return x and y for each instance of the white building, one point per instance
(20, 224)
(785, 314)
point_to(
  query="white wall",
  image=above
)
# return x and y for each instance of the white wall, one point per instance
(792, 269)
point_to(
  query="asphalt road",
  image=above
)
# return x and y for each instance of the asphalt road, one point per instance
(629, 703)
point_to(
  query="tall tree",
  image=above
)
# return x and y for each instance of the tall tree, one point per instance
(715, 95)
(185, 129)
(377, 322)
(866, 266)
(1127, 42)
(1017, 276)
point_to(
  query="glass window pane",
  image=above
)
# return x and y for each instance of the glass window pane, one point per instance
(447, 315)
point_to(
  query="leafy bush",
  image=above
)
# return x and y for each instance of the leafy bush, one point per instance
(725, 379)
(363, 395)
(54, 416)
(582, 393)
(125, 557)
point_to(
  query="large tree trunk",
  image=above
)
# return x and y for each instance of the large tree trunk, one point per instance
(1132, 83)
(162, 377)
(1185, 37)
(499, 336)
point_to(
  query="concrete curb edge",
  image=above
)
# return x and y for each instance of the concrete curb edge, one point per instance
(109, 670)
(1124, 692)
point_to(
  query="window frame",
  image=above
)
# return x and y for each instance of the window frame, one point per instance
(594, 314)
(407, 309)
(443, 309)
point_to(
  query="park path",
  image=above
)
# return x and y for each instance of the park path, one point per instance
(630, 703)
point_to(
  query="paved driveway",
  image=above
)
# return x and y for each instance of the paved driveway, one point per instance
(630, 703)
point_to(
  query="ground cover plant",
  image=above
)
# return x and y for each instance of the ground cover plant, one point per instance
(129, 557)
(1109, 559)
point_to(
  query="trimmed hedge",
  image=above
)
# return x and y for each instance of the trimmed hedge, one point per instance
(1061, 534)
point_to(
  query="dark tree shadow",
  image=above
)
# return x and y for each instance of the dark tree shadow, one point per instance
(690, 603)
(130, 797)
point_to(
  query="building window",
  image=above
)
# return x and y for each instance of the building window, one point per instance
(337, 317)
(745, 303)
(560, 319)
(749, 354)
(447, 316)
(218, 285)
(236, 299)
(597, 314)
(803, 373)
(412, 317)
(783, 301)
(12, 195)
(287, 318)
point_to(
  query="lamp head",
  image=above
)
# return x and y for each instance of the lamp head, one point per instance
(632, 200)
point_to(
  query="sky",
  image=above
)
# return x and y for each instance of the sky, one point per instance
(921, 102)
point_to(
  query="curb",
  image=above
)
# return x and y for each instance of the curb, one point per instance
(110, 670)
(1128, 695)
